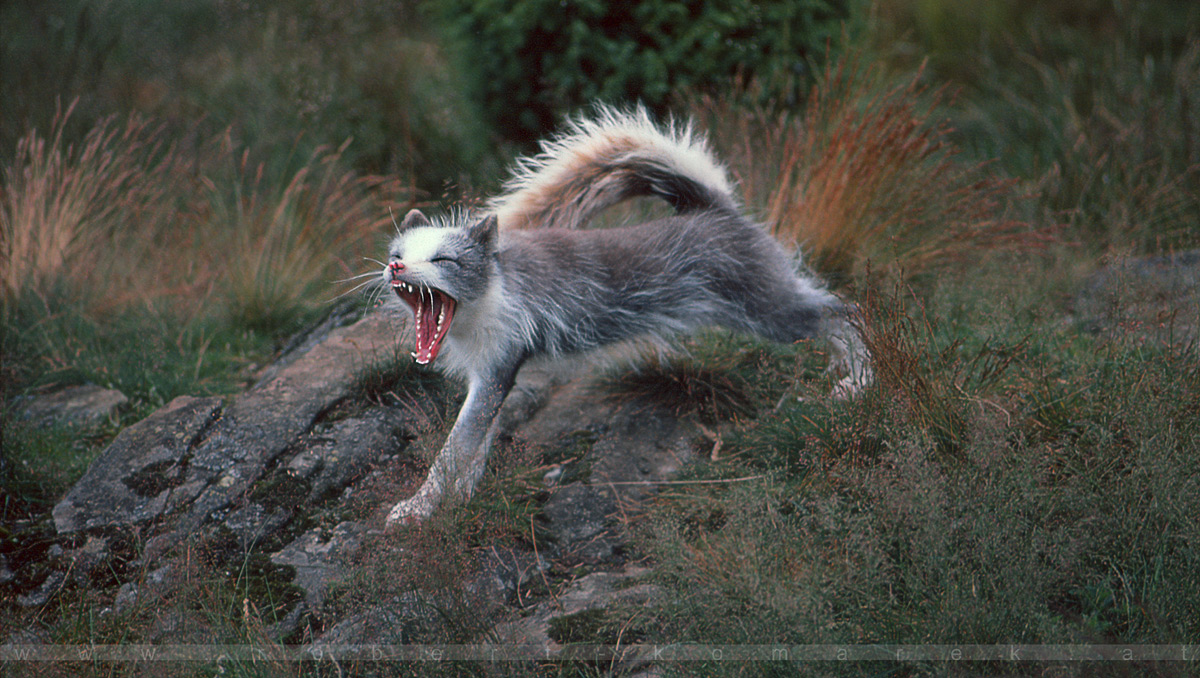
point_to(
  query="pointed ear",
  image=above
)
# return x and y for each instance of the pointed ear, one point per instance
(413, 219)
(485, 231)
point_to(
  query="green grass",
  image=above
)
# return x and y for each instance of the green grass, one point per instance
(60, 344)
(1091, 102)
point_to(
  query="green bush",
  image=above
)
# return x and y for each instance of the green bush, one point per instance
(535, 59)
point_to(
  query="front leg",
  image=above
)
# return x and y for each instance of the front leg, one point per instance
(460, 463)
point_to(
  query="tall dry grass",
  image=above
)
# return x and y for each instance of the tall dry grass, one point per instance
(73, 217)
(864, 172)
(201, 227)
(281, 243)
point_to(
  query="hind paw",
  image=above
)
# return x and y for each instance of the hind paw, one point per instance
(850, 387)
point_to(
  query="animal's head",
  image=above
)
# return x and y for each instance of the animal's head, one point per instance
(436, 267)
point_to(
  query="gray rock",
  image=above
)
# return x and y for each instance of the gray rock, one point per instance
(253, 523)
(350, 447)
(131, 480)
(267, 420)
(581, 519)
(496, 575)
(160, 582)
(505, 574)
(87, 558)
(305, 341)
(409, 617)
(320, 562)
(625, 452)
(1157, 296)
(597, 592)
(320, 464)
(534, 385)
(262, 424)
(38, 597)
(392, 623)
(127, 597)
(87, 405)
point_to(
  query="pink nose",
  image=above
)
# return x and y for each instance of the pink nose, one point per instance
(396, 266)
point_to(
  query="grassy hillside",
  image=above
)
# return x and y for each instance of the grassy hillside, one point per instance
(182, 188)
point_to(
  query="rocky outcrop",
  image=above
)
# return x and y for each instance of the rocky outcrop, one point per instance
(195, 456)
(137, 475)
(615, 455)
(274, 481)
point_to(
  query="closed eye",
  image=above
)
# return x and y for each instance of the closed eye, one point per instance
(444, 260)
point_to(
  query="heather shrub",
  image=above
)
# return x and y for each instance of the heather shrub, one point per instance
(1059, 517)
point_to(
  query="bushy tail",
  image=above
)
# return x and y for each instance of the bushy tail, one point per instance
(606, 159)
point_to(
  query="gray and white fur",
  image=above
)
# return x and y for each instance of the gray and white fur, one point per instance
(523, 281)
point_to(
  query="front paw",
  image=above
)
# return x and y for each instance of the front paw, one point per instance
(412, 511)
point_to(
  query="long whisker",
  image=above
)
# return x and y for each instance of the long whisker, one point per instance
(358, 277)
(378, 294)
(352, 290)
(375, 261)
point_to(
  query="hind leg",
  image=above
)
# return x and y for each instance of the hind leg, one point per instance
(806, 311)
(850, 355)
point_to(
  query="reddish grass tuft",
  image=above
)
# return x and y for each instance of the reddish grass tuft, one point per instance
(864, 173)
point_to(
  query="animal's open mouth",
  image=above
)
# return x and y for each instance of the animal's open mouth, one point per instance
(433, 310)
